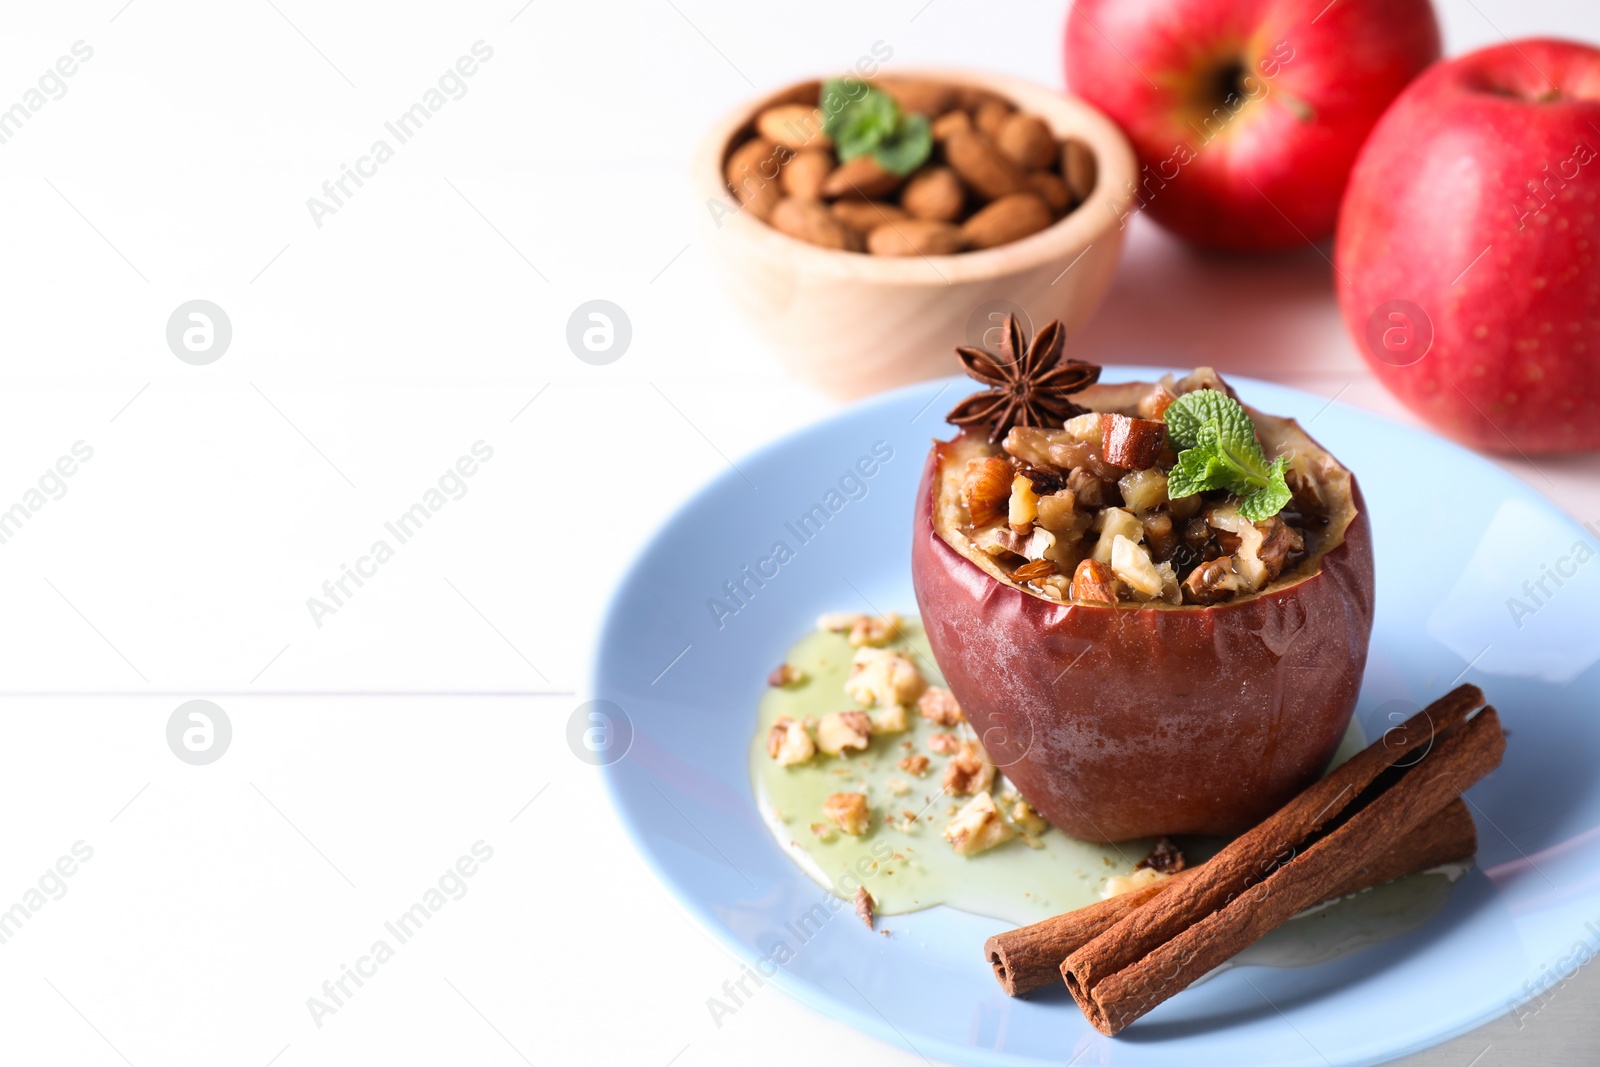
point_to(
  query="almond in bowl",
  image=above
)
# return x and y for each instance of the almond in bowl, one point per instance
(910, 202)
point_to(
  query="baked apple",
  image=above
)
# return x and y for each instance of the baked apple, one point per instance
(1152, 602)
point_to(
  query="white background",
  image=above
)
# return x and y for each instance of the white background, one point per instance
(368, 354)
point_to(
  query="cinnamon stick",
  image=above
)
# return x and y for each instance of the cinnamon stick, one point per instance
(1030, 957)
(1284, 865)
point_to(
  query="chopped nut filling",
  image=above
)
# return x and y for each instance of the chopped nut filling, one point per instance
(944, 744)
(1048, 502)
(848, 811)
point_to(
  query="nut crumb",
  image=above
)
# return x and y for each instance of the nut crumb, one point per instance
(839, 730)
(969, 771)
(848, 811)
(785, 674)
(838, 622)
(870, 632)
(916, 765)
(977, 827)
(944, 744)
(940, 706)
(789, 743)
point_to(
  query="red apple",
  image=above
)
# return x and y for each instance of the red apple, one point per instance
(1126, 721)
(1466, 249)
(1246, 114)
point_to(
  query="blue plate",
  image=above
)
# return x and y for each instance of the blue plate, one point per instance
(1478, 578)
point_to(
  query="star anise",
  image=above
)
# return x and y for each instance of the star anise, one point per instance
(1029, 384)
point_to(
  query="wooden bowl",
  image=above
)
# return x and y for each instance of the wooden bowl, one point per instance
(852, 323)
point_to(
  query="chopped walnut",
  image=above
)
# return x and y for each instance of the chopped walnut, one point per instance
(889, 720)
(823, 831)
(939, 705)
(880, 676)
(916, 765)
(1058, 513)
(1159, 534)
(1118, 884)
(969, 771)
(839, 730)
(1090, 490)
(944, 744)
(898, 787)
(848, 811)
(1212, 582)
(785, 674)
(977, 827)
(864, 905)
(788, 742)
(838, 622)
(874, 631)
(1023, 815)
(1281, 540)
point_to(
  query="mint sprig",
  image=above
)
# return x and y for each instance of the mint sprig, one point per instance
(1220, 451)
(863, 121)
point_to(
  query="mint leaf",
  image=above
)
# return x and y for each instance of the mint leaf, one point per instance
(1267, 502)
(1193, 410)
(907, 148)
(857, 117)
(1220, 451)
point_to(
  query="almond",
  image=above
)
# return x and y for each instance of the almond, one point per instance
(794, 126)
(934, 193)
(1052, 187)
(1078, 167)
(1093, 580)
(804, 174)
(1129, 442)
(1007, 219)
(809, 221)
(983, 167)
(990, 115)
(987, 489)
(864, 216)
(752, 172)
(950, 122)
(919, 95)
(1027, 140)
(915, 237)
(861, 178)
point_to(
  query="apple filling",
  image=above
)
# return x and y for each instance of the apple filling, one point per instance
(1082, 513)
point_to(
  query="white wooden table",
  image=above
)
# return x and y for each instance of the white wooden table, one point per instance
(375, 742)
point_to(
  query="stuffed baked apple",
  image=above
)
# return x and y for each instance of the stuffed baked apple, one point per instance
(1152, 601)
